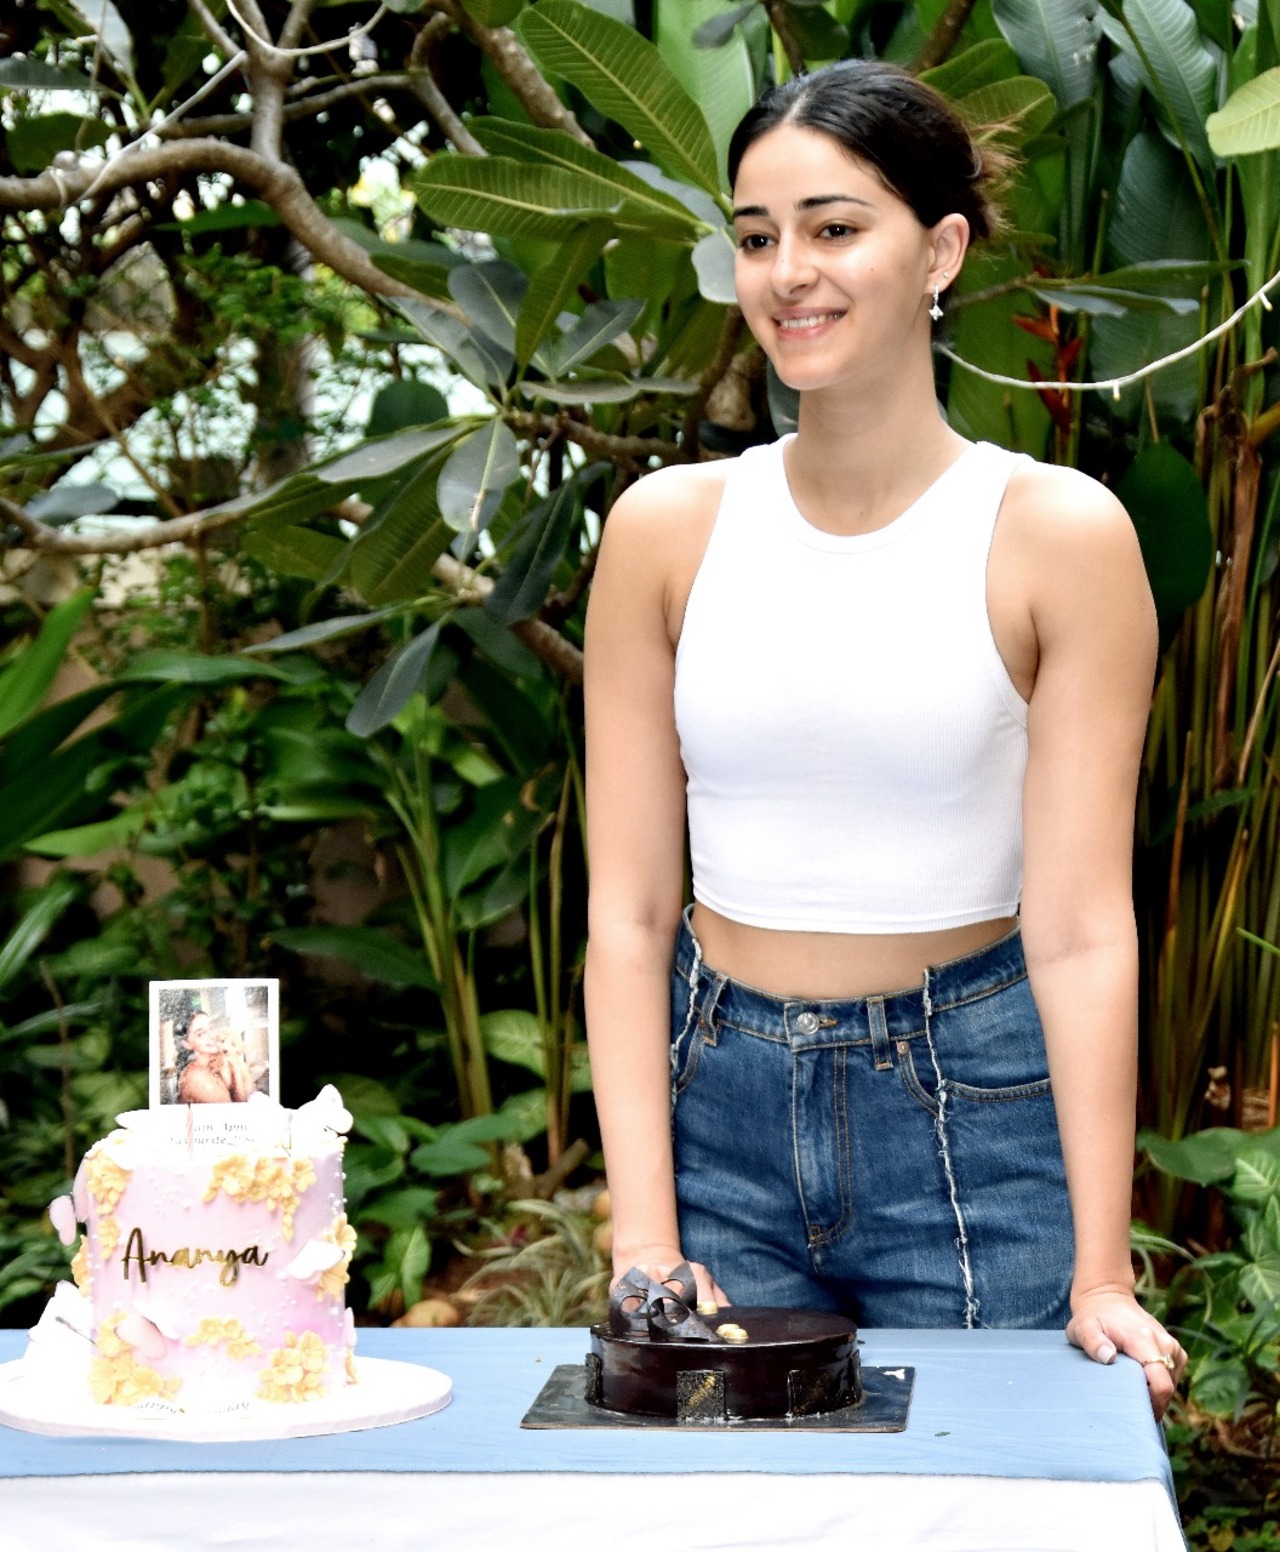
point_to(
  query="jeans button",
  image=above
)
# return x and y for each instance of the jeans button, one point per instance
(807, 1023)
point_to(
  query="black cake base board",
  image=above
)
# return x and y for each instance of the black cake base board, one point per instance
(883, 1409)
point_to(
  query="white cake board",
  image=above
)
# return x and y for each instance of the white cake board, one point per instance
(388, 1392)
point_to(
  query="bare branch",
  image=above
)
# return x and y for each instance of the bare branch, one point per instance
(942, 39)
(632, 452)
(512, 62)
(174, 530)
(537, 635)
(295, 108)
(277, 183)
(423, 85)
(214, 30)
(295, 23)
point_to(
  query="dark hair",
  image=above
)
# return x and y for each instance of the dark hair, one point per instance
(916, 141)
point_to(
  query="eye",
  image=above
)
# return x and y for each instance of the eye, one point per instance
(839, 229)
(754, 242)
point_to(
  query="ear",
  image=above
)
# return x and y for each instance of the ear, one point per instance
(950, 242)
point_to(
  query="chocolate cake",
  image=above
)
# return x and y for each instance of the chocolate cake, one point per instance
(658, 1355)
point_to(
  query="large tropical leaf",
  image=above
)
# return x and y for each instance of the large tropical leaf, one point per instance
(296, 552)
(1156, 215)
(626, 78)
(982, 65)
(719, 80)
(477, 357)
(1177, 68)
(599, 324)
(508, 198)
(491, 294)
(386, 694)
(1171, 514)
(27, 678)
(1056, 40)
(601, 182)
(1249, 120)
(477, 472)
(392, 559)
(554, 285)
(522, 588)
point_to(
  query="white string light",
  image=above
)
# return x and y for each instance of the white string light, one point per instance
(1115, 384)
(314, 48)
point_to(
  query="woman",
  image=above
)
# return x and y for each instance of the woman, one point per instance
(208, 1072)
(899, 682)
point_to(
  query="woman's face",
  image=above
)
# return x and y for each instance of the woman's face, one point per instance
(834, 273)
(201, 1038)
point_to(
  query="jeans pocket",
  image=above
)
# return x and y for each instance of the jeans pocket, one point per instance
(686, 1048)
(919, 1085)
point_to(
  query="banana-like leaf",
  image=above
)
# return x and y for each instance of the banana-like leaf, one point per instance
(705, 210)
(982, 65)
(720, 80)
(386, 694)
(627, 79)
(600, 182)
(1170, 511)
(599, 324)
(491, 295)
(393, 557)
(1177, 68)
(553, 285)
(1155, 216)
(1111, 301)
(1249, 120)
(716, 31)
(1056, 40)
(477, 472)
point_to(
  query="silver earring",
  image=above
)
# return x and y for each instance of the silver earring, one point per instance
(935, 312)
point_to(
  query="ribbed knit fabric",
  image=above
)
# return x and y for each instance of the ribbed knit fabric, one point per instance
(854, 746)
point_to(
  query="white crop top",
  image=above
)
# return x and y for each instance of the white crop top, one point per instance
(854, 746)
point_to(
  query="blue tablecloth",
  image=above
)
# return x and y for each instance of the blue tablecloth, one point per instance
(986, 1403)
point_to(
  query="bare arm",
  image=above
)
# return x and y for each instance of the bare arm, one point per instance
(636, 816)
(1096, 634)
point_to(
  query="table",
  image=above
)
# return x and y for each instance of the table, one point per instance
(1015, 1443)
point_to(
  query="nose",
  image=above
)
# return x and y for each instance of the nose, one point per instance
(793, 267)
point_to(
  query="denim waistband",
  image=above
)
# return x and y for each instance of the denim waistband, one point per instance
(717, 999)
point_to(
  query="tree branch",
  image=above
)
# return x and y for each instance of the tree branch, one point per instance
(295, 108)
(634, 452)
(730, 334)
(541, 639)
(173, 530)
(512, 62)
(296, 22)
(213, 28)
(423, 85)
(277, 183)
(942, 39)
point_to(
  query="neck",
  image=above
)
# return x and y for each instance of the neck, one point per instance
(856, 452)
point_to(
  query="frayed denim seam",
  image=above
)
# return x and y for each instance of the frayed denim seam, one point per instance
(678, 1043)
(944, 1150)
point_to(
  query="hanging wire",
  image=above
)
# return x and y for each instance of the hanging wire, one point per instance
(1115, 384)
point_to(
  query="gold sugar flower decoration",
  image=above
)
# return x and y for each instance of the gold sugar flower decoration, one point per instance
(213, 1331)
(116, 1378)
(104, 1179)
(334, 1280)
(297, 1371)
(275, 1180)
(108, 1236)
(80, 1265)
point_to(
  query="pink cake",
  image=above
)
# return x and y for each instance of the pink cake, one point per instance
(215, 1255)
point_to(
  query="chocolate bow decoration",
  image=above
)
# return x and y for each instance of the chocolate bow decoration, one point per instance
(665, 1310)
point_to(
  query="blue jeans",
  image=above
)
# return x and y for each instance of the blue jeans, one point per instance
(895, 1157)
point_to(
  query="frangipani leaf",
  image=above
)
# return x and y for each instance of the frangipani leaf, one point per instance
(1249, 120)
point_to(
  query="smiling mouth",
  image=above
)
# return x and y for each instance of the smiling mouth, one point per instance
(809, 321)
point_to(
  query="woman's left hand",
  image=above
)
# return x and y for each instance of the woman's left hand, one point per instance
(1108, 1321)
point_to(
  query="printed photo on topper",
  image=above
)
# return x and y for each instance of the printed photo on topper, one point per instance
(214, 1042)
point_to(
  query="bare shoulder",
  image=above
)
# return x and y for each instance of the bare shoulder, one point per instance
(1077, 551)
(666, 502)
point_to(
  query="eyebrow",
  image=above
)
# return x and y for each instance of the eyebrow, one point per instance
(814, 202)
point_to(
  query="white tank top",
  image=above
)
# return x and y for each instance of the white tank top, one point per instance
(854, 746)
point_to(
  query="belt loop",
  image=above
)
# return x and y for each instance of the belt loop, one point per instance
(879, 1033)
(707, 1012)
